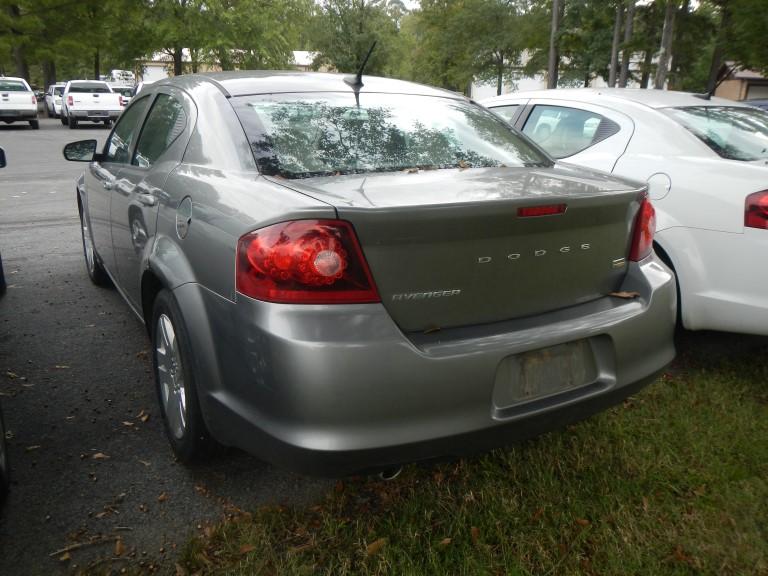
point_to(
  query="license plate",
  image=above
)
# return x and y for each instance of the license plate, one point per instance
(540, 373)
(97, 113)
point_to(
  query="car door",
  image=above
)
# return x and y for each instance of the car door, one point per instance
(138, 190)
(101, 176)
(578, 133)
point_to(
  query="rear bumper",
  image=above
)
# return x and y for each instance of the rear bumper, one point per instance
(336, 390)
(88, 115)
(18, 114)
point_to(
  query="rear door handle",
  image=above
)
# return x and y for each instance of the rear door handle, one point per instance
(144, 194)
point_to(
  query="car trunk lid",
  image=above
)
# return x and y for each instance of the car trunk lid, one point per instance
(450, 248)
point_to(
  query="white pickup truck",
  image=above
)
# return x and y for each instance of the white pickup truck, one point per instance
(89, 100)
(17, 102)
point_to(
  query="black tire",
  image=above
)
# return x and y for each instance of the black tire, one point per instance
(63, 120)
(93, 266)
(35, 124)
(4, 466)
(108, 123)
(72, 123)
(188, 435)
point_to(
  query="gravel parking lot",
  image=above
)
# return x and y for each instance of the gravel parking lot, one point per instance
(90, 463)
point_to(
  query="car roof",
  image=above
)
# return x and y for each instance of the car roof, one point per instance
(651, 98)
(13, 78)
(241, 83)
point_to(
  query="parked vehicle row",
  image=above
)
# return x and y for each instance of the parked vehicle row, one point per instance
(340, 276)
(705, 161)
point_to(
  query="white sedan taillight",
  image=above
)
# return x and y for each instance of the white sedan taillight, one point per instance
(756, 210)
(645, 227)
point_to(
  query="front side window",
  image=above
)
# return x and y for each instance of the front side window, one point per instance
(165, 122)
(326, 134)
(118, 145)
(13, 86)
(564, 131)
(733, 133)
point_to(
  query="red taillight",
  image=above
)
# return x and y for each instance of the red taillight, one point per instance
(645, 227)
(545, 210)
(304, 262)
(756, 210)
(120, 100)
(70, 101)
(34, 100)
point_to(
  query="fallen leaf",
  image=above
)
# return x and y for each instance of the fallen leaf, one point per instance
(700, 491)
(119, 547)
(645, 504)
(538, 514)
(145, 462)
(126, 423)
(463, 165)
(625, 295)
(11, 375)
(65, 557)
(474, 533)
(244, 549)
(144, 417)
(61, 367)
(163, 497)
(582, 521)
(412, 170)
(446, 541)
(180, 570)
(375, 547)
(99, 456)
(32, 448)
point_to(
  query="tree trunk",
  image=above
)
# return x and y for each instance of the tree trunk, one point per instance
(647, 62)
(678, 59)
(49, 73)
(626, 53)
(500, 75)
(17, 45)
(718, 55)
(614, 68)
(97, 64)
(666, 45)
(177, 62)
(554, 53)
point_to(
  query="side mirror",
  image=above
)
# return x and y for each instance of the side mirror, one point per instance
(81, 151)
(2, 158)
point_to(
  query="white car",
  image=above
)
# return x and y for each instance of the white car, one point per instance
(706, 163)
(17, 102)
(89, 100)
(53, 100)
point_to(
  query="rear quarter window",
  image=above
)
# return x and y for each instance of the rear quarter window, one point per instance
(563, 131)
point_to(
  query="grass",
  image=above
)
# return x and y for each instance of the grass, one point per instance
(674, 481)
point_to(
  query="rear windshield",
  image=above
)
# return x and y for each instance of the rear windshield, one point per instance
(733, 133)
(317, 134)
(91, 87)
(13, 86)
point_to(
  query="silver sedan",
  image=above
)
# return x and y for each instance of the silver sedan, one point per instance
(346, 274)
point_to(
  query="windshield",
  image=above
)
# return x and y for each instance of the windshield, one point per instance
(305, 135)
(733, 133)
(12, 86)
(93, 88)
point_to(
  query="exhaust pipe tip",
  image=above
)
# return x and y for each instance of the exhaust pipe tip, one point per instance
(390, 473)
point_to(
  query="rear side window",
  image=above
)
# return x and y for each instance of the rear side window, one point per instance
(165, 122)
(13, 86)
(119, 144)
(58, 90)
(564, 131)
(508, 111)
